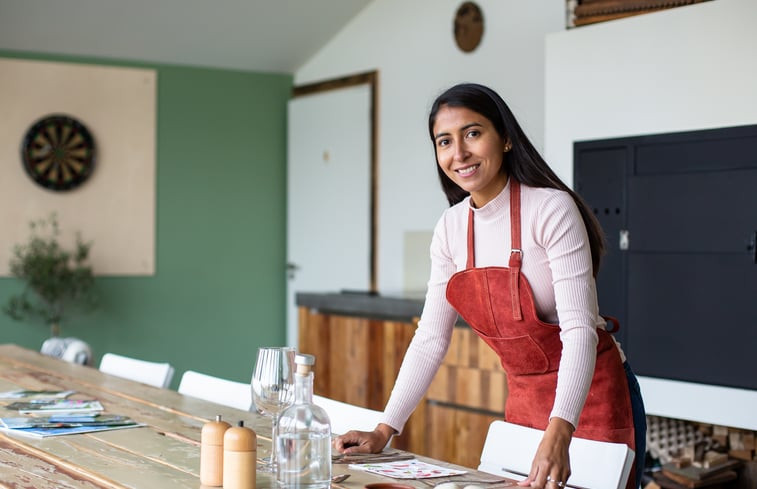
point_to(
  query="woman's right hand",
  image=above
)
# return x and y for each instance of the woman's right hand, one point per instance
(364, 441)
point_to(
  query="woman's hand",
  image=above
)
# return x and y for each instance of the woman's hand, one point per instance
(364, 441)
(551, 466)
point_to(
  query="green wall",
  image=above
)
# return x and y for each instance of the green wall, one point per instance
(220, 286)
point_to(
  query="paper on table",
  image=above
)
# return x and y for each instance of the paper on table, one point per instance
(410, 469)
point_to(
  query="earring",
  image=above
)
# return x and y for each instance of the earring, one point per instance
(508, 147)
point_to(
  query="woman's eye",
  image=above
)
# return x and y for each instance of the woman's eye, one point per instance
(442, 142)
(473, 133)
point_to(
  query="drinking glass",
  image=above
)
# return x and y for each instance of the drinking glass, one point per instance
(273, 390)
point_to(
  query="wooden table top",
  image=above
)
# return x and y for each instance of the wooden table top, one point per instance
(164, 454)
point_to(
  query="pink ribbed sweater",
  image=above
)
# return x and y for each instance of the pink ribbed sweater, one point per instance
(557, 264)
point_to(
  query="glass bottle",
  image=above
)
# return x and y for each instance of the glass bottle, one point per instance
(304, 439)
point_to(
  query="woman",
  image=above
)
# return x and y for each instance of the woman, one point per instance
(516, 256)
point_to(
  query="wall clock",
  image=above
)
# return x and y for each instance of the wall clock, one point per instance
(58, 152)
(469, 26)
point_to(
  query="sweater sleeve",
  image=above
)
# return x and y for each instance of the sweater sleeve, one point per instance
(431, 339)
(560, 227)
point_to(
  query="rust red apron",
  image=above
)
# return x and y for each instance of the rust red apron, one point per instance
(497, 302)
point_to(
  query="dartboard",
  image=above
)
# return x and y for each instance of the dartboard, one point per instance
(58, 152)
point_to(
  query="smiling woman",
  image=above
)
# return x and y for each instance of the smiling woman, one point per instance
(534, 305)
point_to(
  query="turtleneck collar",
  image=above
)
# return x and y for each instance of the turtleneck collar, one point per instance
(494, 207)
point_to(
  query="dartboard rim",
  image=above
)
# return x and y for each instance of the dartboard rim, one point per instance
(88, 163)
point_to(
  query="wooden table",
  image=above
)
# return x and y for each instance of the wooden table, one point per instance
(164, 454)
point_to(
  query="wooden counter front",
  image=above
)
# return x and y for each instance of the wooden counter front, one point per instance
(364, 356)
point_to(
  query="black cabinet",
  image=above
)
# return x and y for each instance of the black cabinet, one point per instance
(680, 214)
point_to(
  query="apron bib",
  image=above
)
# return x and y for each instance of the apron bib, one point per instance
(498, 304)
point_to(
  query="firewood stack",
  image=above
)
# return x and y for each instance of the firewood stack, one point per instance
(696, 455)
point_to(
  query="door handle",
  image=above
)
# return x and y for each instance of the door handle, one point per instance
(291, 269)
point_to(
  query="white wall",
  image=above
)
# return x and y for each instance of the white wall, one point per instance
(412, 46)
(682, 69)
(687, 68)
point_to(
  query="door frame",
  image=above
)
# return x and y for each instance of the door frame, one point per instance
(371, 79)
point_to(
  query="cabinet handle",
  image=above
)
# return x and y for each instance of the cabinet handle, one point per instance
(624, 239)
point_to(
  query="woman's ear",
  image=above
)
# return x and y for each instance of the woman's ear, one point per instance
(508, 145)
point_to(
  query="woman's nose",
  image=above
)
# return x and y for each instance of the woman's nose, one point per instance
(461, 152)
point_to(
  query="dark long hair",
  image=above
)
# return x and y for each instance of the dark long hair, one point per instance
(523, 162)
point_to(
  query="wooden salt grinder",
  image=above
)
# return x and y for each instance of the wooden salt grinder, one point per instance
(239, 457)
(211, 452)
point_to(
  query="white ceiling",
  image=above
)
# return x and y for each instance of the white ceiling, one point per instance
(254, 35)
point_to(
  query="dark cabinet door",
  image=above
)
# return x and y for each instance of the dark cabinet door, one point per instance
(688, 278)
(601, 180)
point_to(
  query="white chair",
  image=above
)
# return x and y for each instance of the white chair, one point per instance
(215, 389)
(345, 417)
(150, 373)
(509, 450)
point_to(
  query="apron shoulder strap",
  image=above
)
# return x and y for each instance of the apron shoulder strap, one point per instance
(516, 254)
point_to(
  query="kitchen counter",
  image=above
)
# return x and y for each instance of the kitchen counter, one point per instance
(404, 307)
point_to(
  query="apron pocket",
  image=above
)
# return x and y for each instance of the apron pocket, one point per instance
(520, 355)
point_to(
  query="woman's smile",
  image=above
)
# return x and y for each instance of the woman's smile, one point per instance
(468, 170)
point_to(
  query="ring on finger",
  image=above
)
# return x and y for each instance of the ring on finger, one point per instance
(555, 482)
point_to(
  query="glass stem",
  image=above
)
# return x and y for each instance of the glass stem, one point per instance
(274, 435)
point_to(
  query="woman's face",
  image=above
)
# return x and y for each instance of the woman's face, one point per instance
(470, 152)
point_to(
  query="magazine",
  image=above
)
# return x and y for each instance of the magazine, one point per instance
(65, 421)
(25, 394)
(57, 425)
(47, 432)
(50, 406)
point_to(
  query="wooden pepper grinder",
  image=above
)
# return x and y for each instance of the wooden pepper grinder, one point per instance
(239, 457)
(211, 452)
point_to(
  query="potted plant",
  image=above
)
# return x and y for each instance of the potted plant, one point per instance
(56, 281)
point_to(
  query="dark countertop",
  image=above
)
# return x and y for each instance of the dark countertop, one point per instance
(403, 307)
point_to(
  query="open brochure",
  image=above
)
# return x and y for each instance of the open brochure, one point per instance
(408, 469)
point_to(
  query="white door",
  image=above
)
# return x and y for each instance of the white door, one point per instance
(328, 195)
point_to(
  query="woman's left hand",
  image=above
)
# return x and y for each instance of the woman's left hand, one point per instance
(551, 466)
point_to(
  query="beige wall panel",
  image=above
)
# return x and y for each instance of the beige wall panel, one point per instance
(115, 208)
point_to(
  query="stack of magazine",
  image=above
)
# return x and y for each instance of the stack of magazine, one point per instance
(50, 413)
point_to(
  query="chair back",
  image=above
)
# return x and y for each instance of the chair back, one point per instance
(150, 373)
(215, 389)
(509, 450)
(345, 417)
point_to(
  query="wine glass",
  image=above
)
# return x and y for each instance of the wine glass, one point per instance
(273, 390)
